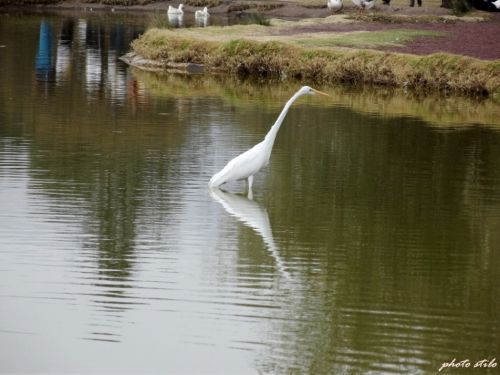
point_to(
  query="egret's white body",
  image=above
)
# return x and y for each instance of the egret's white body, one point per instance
(335, 5)
(245, 165)
(202, 13)
(497, 4)
(176, 11)
(364, 4)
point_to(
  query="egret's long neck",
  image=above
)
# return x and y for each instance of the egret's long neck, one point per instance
(271, 136)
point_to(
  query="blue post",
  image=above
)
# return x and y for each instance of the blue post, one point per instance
(43, 62)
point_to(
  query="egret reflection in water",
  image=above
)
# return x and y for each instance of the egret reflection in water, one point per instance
(201, 21)
(201, 17)
(253, 216)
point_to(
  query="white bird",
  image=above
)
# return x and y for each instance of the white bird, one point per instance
(245, 165)
(335, 5)
(204, 13)
(496, 4)
(364, 4)
(178, 11)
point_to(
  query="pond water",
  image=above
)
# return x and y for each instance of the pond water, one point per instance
(372, 243)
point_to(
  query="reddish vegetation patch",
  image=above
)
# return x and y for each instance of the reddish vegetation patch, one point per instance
(479, 40)
(475, 39)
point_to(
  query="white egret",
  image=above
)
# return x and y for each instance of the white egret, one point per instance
(245, 165)
(202, 13)
(334, 5)
(176, 11)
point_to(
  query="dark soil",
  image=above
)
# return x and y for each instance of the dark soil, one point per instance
(478, 40)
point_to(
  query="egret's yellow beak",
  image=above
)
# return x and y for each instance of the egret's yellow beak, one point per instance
(320, 92)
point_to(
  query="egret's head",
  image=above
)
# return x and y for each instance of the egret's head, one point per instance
(205, 10)
(309, 90)
(181, 6)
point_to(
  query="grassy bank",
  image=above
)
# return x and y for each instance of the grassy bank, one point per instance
(281, 59)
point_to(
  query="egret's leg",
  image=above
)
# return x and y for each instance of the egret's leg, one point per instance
(250, 182)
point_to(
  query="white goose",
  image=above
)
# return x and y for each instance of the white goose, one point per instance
(336, 5)
(176, 11)
(204, 13)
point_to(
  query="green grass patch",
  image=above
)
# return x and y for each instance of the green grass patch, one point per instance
(367, 39)
(413, 19)
(396, 18)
